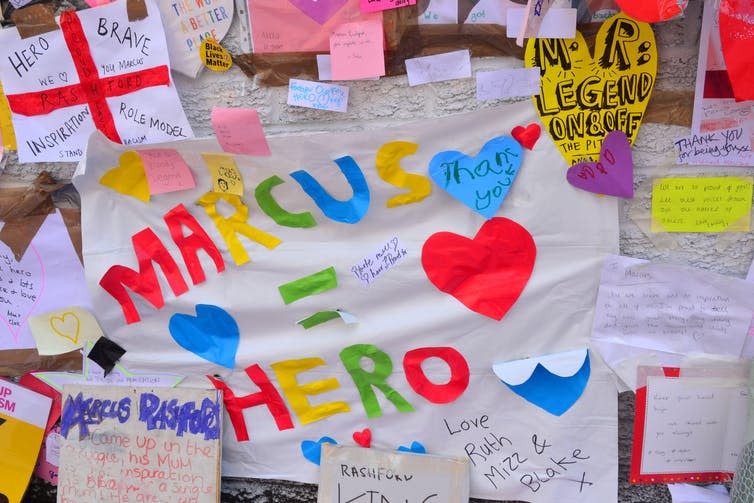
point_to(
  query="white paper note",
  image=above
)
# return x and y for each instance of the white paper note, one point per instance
(440, 12)
(304, 93)
(557, 23)
(645, 308)
(726, 147)
(690, 493)
(507, 83)
(446, 66)
(374, 265)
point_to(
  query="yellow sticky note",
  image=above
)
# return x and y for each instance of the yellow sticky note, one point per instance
(6, 125)
(129, 177)
(721, 204)
(582, 96)
(64, 330)
(226, 179)
(214, 56)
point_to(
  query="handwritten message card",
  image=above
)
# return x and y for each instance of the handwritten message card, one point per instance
(48, 277)
(507, 83)
(356, 50)
(358, 474)
(669, 311)
(727, 147)
(446, 66)
(23, 415)
(146, 444)
(166, 170)
(385, 257)
(304, 93)
(721, 204)
(239, 131)
(691, 425)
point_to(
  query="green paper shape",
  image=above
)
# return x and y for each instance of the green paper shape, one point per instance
(318, 319)
(272, 209)
(313, 284)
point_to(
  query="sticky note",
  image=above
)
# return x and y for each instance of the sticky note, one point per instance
(64, 330)
(226, 179)
(721, 204)
(446, 66)
(324, 68)
(166, 170)
(507, 83)
(6, 125)
(239, 131)
(356, 50)
(379, 5)
(308, 94)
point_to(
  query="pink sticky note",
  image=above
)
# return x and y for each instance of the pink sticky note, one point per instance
(239, 131)
(378, 5)
(356, 50)
(166, 170)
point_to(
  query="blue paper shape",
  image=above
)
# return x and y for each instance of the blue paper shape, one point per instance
(212, 334)
(312, 450)
(415, 448)
(551, 392)
(348, 212)
(480, 182)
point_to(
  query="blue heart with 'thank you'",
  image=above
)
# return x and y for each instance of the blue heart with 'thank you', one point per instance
(212, 334)
(480, 182)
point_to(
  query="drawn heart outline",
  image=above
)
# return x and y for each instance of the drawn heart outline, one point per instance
(363, 437)
(487, 274)
(312, 451)
(212, 334)
(527, 136)
(61, 327)
(612, 175)
(583, 98)
(481, 182)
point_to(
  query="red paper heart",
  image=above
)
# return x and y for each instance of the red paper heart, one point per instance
(527, 136)
(363, 437)
(486, 274)
(736, 39)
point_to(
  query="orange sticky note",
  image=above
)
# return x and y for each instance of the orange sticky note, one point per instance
(166, 170)
(357, 50)
(239, 131)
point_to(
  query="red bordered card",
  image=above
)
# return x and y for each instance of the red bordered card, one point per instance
(689, 424)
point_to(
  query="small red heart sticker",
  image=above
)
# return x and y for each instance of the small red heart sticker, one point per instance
(527, 136)
(363, 437)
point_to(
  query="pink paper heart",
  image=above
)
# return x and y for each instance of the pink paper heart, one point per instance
(31, 262)
(319, 10)
(613, 175)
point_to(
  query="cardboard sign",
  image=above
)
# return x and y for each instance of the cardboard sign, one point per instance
(145, 443)
(584, 97)
(358, 474)
(53, 109)
(23, 415)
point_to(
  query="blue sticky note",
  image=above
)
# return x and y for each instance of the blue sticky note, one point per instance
(480, 182)
(349, 212)
(212, 334)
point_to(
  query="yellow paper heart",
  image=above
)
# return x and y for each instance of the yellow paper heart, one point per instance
(63, 328)
(129, 178)
(582, 99)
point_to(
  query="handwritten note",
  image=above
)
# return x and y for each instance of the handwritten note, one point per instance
(384, 258)
(721, 204)
(226, 179)
(727, 147)
(166, 170)
(304, 93)
(239, 131)
(356, 50)
(693, 424)
(507, 83)
(346, 475)
(152, 444)
(378, 5)
(649, 308)
(556, 23)
(446, 66)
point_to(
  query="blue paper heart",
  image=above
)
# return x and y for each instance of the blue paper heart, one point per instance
(480, 182)
(212, 334)
(416, 448)
(312, 450)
